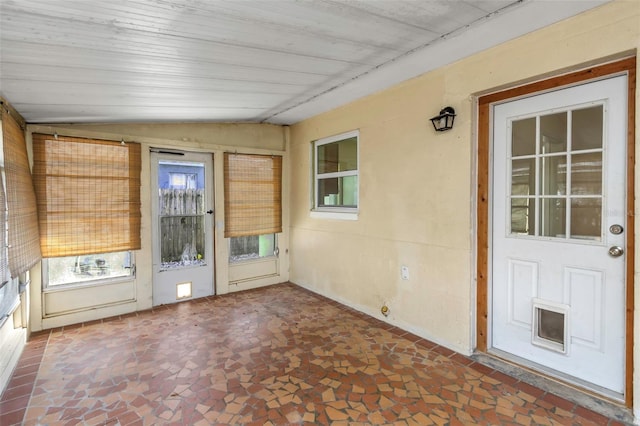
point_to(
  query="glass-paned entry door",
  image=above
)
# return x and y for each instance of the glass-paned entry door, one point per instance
(558, 233)
(183, 241)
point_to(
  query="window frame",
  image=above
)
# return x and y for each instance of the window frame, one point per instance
(337, 212)
(274, 255)
(46, 287)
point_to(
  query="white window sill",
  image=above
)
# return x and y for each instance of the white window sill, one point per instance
(252, 260)
(85, 284)
(320, 214)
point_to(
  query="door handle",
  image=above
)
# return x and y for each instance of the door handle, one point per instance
(615, 251)
(209, 211)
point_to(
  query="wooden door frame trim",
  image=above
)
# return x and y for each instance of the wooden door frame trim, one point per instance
(625, 66)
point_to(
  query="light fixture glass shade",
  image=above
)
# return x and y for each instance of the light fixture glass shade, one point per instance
(444, 120)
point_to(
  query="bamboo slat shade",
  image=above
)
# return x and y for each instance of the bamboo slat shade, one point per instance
(88, 194)
(252, 194)
(22, 216)
(4, 259)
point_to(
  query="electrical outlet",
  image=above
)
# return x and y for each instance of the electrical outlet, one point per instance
(404, 272)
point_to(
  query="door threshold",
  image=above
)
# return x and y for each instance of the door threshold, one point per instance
(609, 407)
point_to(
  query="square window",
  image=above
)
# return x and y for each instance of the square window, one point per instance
(252, 247)
(87, 269)
(335, 173)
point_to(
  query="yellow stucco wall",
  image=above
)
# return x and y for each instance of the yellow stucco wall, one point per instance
(417, 196)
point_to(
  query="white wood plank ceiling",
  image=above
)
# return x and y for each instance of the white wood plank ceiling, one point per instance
(276, 61)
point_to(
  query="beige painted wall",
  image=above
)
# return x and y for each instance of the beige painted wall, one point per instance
(417, 187)
(213, 138)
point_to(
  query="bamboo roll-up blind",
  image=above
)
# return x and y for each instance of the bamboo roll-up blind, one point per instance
(88, 194)
(252, 194)
(4, 259)
(22, 216)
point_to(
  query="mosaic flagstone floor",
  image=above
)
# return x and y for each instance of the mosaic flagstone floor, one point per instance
(275, 356)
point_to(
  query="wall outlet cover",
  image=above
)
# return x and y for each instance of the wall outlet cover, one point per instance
(404, 272)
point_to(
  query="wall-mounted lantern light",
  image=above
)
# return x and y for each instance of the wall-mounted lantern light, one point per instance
(444, 120)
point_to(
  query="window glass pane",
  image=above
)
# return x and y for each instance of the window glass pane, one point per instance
(178, 202)
(586, 218)
(523, 175)
(338, 192)
(182, 241)
(87, 268)
(553, 133)
(552, 217)
(181, 188)
(523, 137)
(522, 216)
(181, 204)
(523, 208)
(338, 156)
(251, 247)
(586, 128)
(183, 180)
(554, 175)
(8, 296)
(586, 174)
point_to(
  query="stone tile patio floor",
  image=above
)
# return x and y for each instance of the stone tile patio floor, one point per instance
(279, 355)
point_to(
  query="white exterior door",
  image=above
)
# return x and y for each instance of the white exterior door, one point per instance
(558, 233)
(182, 208)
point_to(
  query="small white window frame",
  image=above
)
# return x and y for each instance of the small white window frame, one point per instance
(559, 308)
(46, 288)
(275, 254)
(339, 213)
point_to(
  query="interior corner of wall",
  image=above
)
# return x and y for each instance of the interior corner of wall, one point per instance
(35, 299)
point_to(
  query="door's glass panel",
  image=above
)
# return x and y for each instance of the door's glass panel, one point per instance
(553, 217)
(182, 208)
(338, 156)
(523, 174)
(522, 216)
(523, 177)
(586, 128)
(586, 174)
(553, 133)
(542, 189)
(586, 218)
(181, 241)
(180, 180)
(338, 192)
(523, 137)
(554, 175)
